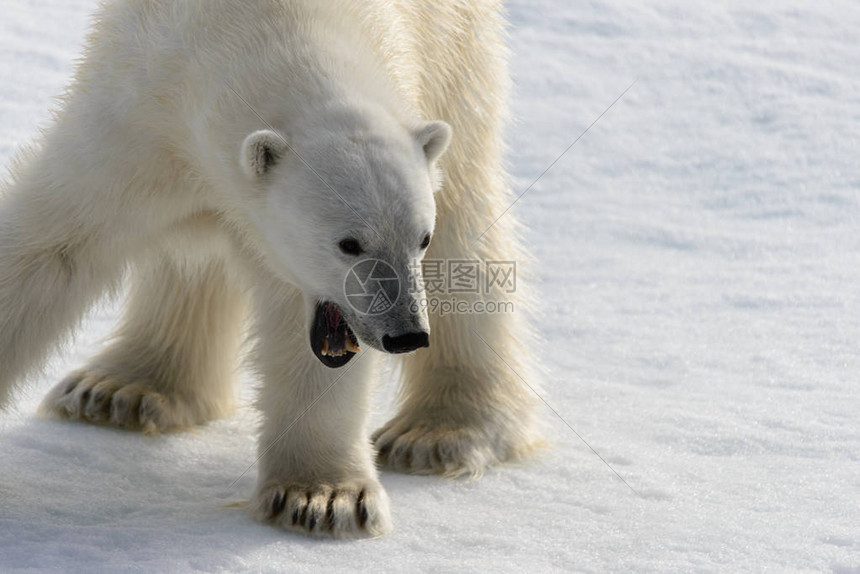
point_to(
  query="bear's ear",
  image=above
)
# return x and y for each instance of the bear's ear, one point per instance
(260, 151)
(434, 137)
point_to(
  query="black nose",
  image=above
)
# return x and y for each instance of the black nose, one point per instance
(405, 343)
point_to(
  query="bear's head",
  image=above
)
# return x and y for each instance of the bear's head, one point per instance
(346, 214)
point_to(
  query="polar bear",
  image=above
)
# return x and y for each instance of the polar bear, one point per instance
(238, 158)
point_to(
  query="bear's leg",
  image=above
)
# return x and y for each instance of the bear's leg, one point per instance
(47, 281)
(466, 401)
(463, 404)
(316, 468)
(172, 360)
(70, 218)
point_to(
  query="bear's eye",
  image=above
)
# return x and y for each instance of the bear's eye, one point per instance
(425, 243)
(350, 246)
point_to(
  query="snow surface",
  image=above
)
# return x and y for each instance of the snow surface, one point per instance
(697, 252)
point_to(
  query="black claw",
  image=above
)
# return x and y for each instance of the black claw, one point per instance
(304, 517)
(278, 504)
(361, 509)
(295, 516)
(312, 522)
(407, 457)
(329, 512)
(85, 396)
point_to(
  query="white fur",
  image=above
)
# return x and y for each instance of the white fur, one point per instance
(220, 147)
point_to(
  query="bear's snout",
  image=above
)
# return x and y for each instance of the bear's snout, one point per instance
(405, 343)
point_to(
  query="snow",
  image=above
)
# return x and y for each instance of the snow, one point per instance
(697, 252)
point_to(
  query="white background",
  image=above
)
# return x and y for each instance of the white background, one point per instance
(697, 253)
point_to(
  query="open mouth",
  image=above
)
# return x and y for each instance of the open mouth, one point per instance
(332, 341)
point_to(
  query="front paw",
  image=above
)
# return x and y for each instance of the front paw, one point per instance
(342, 510)
(435, 443)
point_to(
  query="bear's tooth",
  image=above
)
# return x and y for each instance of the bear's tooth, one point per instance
(352, 347)
(325, 347)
